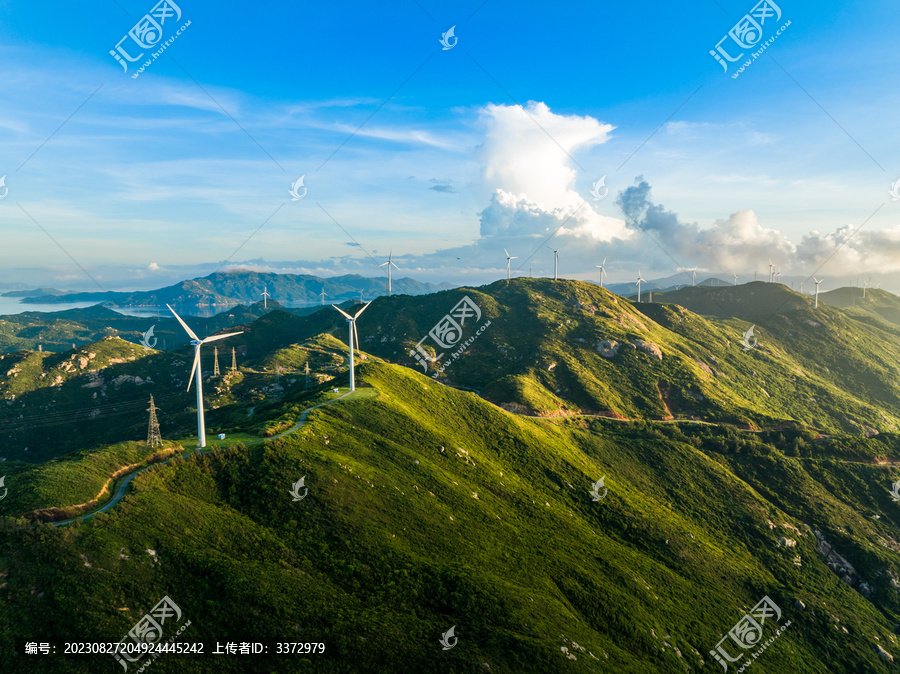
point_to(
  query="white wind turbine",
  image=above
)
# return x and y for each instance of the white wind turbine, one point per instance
(602, 271)
(693, 271)
(197, 373)
(555, 263)
(322, 295)
(771, 271)
(817, 282)
(265, 296)
(640, 280)
(354, 337)
(735, 278)
(508, 260)
(390, 263)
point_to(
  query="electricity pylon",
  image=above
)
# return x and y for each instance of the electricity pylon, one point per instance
(216, 361)
(153, 436)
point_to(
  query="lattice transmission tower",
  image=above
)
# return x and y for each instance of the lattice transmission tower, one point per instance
(153, 436)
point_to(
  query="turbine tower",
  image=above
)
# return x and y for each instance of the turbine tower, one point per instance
(351, 322)
(817, 282)
(602, 271)
(508, 260)
(555, 263)
(197, 373)
(265, 296)
(640, 280)
(389, 263)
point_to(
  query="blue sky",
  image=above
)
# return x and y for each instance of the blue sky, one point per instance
(492, 144)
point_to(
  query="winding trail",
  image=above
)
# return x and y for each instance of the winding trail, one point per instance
(120, 492)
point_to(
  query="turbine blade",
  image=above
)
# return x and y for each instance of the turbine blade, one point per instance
(184, 325)
(195, 367)
(216, 338)
(342, 311)
(359, 313)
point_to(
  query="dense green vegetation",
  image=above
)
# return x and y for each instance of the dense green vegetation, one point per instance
(430, 507)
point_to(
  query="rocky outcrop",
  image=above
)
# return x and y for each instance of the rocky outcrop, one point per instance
(649, 348)
(608, 348)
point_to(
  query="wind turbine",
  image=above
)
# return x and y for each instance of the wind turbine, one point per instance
(640, 280)
(735, 278)
(801, 286)
(817, 282)
(197, 373)
(602, 271)
(693, 276)
(265, 296)
(555, 262)
(508, 260)
(865, 285)
(351, 320)
(390, 263)
(322, 295)
(771, 271)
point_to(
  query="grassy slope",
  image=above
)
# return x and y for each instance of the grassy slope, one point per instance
(540, 352)
(390, 547)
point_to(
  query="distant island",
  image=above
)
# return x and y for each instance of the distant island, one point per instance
(227, 289)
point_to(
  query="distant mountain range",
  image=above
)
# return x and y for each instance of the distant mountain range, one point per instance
(231, 288)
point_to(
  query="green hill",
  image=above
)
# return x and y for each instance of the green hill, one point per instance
(59, 330)
(562, 347)
(428, 508)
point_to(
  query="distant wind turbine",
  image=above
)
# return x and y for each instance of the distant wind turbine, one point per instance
(354, 337)
(735, 278)
(196, 373)
(390, 263)
(640, 280)
(602, 271)
(555, 263)
(508, 260)
(693, 276)
(322, 295)
(801, 287)
(817, 282)
(265, 296)
(865, 285)
(771, 271)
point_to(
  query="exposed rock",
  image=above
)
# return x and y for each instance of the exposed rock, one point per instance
(608, 348)
(649, 348)
(883, 654)
(787, 542)
(799, 605)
